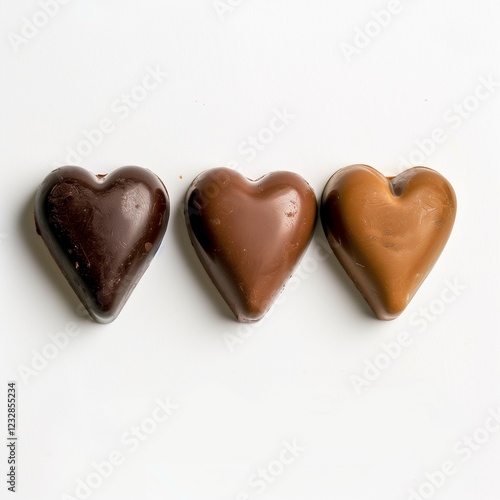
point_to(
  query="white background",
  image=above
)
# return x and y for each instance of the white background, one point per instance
(291, 376)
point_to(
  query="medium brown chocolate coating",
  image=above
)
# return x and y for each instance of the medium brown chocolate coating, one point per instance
(387, 232)
(250, 235)
(102, 231)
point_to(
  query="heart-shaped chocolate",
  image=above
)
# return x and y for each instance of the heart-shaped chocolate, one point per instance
(387, 232)
(250, 235)
(103, 231)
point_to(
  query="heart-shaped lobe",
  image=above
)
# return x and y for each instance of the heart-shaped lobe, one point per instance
(250, 235)
(387, 232)
(103, 231)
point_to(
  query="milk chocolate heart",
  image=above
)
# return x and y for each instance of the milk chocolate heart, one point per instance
(387, 232)
(250, 235)
(103, 231)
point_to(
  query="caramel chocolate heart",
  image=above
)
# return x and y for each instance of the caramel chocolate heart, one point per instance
(103, 231)
(387, 232)
(250, 235)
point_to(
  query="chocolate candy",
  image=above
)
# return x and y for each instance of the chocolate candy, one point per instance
(387, 232)
(250, 235)
(103, 231)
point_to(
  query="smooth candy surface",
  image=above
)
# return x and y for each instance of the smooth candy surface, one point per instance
(103, 231)
(387, 232)
(250, 235)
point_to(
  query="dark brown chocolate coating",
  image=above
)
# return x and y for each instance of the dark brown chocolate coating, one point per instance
(387, 232)
(250, 235)
(103, 231)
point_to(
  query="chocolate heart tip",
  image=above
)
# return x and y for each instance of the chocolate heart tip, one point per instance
(387, 232)
(249, 234)
(102, 230)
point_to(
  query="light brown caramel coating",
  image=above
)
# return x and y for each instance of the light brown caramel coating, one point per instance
(387, 232)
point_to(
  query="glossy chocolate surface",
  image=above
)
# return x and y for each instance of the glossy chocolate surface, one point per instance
(250, 235)
(387, 232)
(103, 231)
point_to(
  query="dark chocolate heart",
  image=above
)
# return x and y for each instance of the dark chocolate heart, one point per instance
(387, 232)
(103, 231)
(250, 235)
